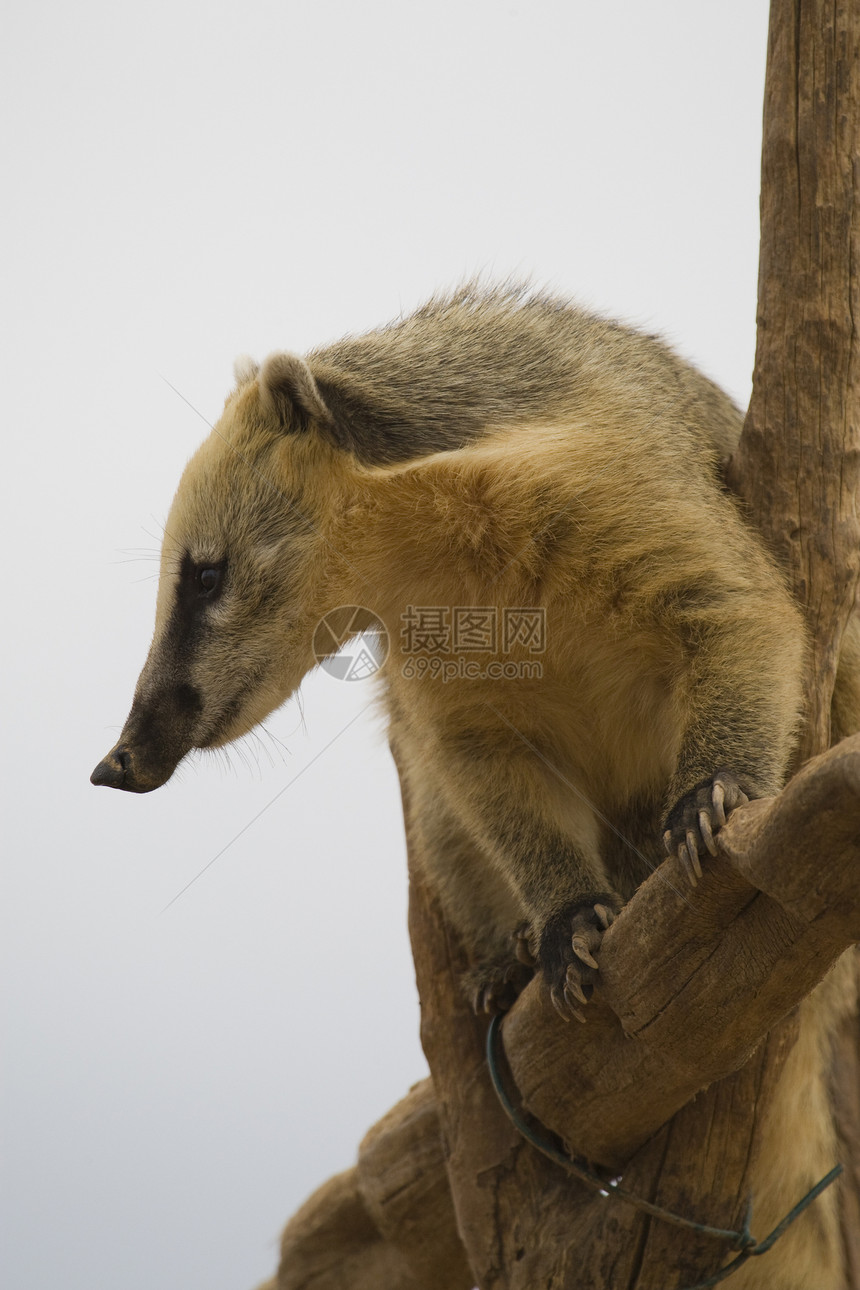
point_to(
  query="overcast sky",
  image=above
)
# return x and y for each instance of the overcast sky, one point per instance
(185, 182)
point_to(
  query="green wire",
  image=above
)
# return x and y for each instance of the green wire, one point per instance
(742, 1240)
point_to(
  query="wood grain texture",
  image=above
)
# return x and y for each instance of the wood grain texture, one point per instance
(388, 1222)
(798, 462)
(693, 980)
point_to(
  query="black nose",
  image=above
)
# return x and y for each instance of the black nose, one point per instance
(111, 773)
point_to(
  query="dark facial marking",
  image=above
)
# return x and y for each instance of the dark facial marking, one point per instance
(187, 701)
(199, 586)
(156, 728)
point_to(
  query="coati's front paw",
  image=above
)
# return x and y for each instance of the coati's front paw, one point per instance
(692, 822)
(568, 951)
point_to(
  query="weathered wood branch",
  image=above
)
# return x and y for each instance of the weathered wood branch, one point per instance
(388, 1222)
(544, 1222)
(691, 981)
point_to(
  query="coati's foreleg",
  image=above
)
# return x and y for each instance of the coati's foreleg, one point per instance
(741, 705)
(542, 837)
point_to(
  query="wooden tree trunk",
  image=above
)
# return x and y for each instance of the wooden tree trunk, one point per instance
(798, 461)
(696, 1001)
(525, 1224)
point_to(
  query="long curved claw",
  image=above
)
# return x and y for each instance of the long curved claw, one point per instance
(574, 1011)
(689, 867)
(559, 1004)
(605, 915)
(693, 849)
(582, 951)
(522, 951)
(572, 984)
(706, 832)
(718, 797)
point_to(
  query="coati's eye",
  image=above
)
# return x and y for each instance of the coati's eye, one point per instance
(199, 585)
(208, 580)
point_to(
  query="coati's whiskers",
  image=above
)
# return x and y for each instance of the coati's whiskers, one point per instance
(265, 808)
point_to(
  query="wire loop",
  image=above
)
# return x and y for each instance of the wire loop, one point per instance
(742, 1240)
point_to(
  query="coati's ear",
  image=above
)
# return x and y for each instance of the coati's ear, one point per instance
(245, 370)
(287, 386)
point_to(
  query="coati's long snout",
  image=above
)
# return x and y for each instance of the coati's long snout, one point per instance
(154, 739)
(121, 769)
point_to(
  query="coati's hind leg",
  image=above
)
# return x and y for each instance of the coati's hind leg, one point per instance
(478, 901)
(495, 985)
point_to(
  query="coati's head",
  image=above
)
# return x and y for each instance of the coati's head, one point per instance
(244, 576)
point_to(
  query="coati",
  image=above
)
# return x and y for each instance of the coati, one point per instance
(505, 454)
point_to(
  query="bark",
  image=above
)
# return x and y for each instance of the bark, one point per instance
(715, 968)
(388, 1222)
(797, 466)
(755, 941)
(712, 978)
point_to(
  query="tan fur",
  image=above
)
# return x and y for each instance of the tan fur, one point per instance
(585, 485)
(618, 693)
(499, 450)
(798, 1147)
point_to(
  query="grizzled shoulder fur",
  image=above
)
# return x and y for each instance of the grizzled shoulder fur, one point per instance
(488, 358)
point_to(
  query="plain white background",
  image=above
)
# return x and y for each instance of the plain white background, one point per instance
(184, 182)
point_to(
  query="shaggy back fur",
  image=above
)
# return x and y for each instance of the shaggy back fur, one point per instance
(483, 359)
